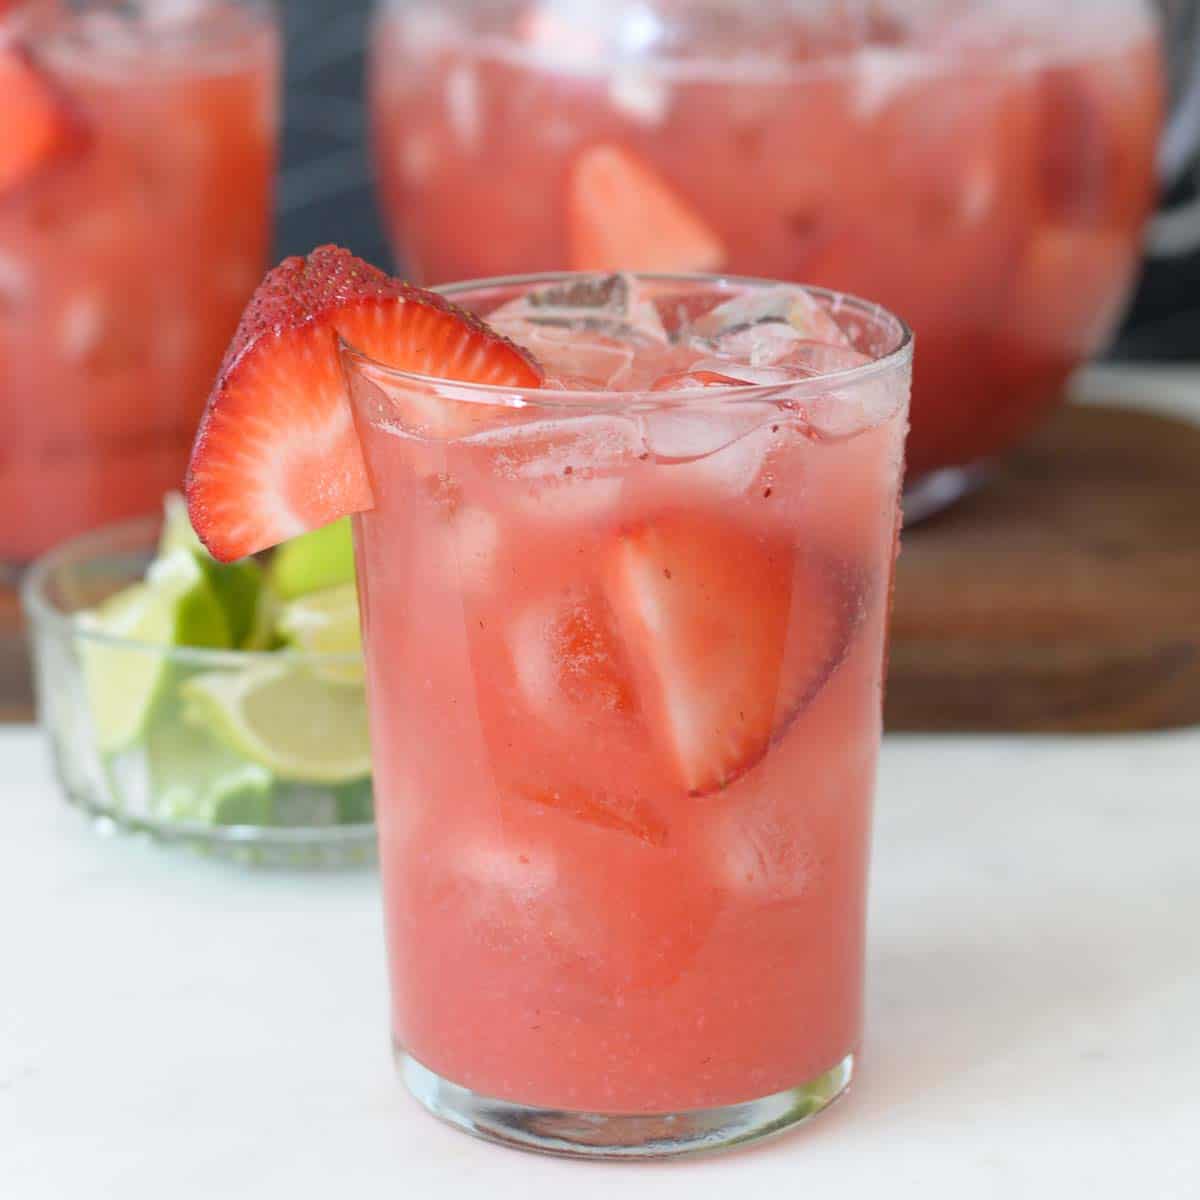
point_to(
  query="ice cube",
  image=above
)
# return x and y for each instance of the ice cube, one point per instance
(426, 29)
(501, 879)
(763, 344)
(883, 73)
(788, 305)
(640, 93)
(821, 358)
(14, 280)
(462, 104)
(476, 536)
(761, 858)
(751, 376)
(565, 470)
(587, 360)
(575, 498)
(721, 450)
(572, 447)
(610, 304)
(81, 325)
(581, 33)
(417, 157)
(844, 412)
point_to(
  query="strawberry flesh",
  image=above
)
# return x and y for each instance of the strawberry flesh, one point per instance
(623, 216)
(276, 453)
(40, 125)
(732, 636)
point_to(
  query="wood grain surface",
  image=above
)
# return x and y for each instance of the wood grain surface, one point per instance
(1065, 595)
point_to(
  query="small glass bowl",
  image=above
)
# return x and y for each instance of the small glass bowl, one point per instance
(180, 779)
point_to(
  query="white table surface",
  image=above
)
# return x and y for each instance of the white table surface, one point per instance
(174, 1027)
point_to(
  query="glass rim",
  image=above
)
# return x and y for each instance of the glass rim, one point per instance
(896, 358)
(94, 546)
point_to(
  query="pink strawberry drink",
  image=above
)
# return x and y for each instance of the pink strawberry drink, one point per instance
(982, 167)
(625, 644)
(137, 147)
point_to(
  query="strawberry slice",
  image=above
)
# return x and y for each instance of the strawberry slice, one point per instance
(276, 453)
(732, 634)
(623, 216)
(40, 126)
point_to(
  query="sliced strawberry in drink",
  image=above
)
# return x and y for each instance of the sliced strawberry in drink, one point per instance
(276, 453)
(732, 636)
(623, 216)
(39, 125)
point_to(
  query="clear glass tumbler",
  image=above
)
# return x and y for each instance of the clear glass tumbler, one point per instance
(137, 152)
(625, 656)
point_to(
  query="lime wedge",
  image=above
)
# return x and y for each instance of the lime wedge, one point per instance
(355, 803)
(313, 561)
(238, 586)
(197, 778)
(326, 622)
(284, 718)
(174, 607)
(177, 532)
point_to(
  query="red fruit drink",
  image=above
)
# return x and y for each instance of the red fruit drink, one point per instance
(625, 641)
(982, 167)
(137, 146)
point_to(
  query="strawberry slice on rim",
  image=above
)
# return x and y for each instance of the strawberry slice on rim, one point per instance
(623, 216)
(733, 636)
(276, 453)
(40, 125)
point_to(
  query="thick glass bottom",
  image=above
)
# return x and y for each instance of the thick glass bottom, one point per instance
(622, 1135)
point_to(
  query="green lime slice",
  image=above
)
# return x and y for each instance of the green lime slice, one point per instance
(314, 561)
(238, 586)
(174, 607)
(196, 777)
(326, 622)
(177, 532)
(285, 718)
(355, 803)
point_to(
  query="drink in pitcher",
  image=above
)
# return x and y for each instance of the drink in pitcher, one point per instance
(982, 167)
(137, 146)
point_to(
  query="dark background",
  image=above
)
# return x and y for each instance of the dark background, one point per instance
(325, 189)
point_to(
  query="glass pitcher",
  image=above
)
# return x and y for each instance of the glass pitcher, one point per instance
(985, 168)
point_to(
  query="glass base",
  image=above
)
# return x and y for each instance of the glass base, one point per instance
(938, 490)
(621, 1135)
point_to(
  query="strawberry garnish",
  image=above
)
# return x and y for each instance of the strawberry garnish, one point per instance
(732, 634)
(623, 216)
(39, 126)
(277, 453)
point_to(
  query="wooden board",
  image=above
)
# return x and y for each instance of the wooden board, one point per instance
(1063, 596)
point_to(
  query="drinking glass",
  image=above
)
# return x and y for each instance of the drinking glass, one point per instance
(625, 657)
(137, 150)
